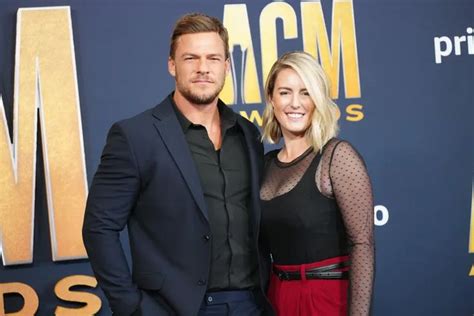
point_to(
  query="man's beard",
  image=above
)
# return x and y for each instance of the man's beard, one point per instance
(203, 98)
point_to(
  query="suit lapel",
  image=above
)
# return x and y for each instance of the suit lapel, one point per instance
(252, 150)
(172, 135)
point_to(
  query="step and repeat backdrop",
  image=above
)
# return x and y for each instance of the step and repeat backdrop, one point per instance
(402, 73)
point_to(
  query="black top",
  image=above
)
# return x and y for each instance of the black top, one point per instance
(319, 206)
(225, 180)
(303, 226)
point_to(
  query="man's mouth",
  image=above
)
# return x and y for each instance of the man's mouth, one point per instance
(202, 81)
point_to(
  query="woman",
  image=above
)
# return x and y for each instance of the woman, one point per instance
(317, 207)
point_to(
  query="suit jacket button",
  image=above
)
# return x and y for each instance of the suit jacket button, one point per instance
(206, 237)
(201, 282)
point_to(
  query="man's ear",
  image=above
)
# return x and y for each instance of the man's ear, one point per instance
(171, 66)
(227, 65)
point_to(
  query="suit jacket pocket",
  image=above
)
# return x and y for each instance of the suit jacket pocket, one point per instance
(149, 280)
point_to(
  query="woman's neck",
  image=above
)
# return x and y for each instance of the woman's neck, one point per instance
(293, 148)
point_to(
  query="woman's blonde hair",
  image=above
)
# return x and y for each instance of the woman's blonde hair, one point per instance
(323, 125)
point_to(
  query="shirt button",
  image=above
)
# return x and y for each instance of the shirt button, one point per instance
(201, 282)
(209, 299)
(206, 237)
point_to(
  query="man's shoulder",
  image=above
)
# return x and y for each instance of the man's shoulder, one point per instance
(137, 118)
(141, 118)
(245, 123)
(241, 121)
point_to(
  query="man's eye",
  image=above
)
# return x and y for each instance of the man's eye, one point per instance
(283, 92)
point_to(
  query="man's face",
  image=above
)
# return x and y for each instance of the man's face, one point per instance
(199, 67)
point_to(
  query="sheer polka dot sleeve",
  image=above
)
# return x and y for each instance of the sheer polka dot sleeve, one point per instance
(353, 192)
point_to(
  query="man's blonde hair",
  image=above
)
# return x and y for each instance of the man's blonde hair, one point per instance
(198, 23)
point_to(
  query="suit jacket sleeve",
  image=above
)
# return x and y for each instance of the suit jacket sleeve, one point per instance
(111, 199)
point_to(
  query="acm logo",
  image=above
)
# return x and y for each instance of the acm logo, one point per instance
(315, 40)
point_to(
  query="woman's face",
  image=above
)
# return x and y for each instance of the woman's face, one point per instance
(292, 104)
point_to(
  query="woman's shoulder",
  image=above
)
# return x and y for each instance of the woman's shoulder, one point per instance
(270, 155)
(337, 144)
(341, 151)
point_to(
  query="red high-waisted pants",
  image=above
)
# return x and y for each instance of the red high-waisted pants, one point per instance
(309, 297)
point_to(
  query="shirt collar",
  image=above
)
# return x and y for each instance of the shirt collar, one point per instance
(227, 115)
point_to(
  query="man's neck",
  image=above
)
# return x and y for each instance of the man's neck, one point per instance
(206, 115)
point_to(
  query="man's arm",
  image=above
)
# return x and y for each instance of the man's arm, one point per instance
(111, 199)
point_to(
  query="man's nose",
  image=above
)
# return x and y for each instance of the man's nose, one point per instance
(203, 66)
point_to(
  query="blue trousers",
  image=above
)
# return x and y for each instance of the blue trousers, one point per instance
(230, 303)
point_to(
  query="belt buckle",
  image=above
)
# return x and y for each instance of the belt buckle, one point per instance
(283, 276)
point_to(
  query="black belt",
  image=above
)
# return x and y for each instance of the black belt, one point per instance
(316, 273)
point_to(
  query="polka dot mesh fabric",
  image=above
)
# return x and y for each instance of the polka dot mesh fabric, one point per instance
(281, 177)
(340, 175)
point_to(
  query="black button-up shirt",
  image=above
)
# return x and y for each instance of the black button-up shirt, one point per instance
(225, 180)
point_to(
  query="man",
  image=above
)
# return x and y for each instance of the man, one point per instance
(184, 176)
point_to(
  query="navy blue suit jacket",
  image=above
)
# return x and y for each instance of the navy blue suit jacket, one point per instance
(147, 180)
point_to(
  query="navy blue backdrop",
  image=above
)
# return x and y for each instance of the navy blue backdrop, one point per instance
(415, 135)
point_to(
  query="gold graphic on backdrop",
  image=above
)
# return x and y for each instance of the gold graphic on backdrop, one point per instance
(30, 298)
(64, 291)
(268, 31)
(343, 38)
(237, 24)
(45, 89)
(315, 40)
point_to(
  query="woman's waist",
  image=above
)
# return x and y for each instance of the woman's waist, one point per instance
(308, 265)
(330, 268)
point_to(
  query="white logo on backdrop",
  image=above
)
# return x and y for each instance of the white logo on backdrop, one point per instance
(443, 45)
